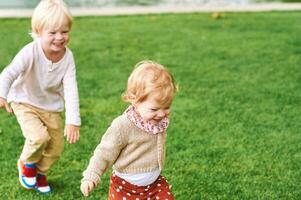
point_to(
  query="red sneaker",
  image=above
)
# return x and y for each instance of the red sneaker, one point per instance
(27, 174)
(42, 185)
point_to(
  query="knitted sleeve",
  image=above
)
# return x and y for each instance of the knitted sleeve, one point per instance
(105, 153)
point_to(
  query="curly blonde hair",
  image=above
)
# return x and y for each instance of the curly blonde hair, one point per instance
(150, 79)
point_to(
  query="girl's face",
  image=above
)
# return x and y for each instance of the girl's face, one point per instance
(151, 111)
(54, 40)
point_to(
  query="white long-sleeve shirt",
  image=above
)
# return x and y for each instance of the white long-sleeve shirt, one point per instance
(32, 78)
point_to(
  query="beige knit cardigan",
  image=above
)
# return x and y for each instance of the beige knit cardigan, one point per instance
(128, 148)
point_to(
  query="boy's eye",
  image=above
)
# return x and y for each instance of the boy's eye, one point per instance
(154, 109)
(52, 33)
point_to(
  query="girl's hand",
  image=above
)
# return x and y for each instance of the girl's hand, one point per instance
(4, 104)
(72, 133)
(86, 187)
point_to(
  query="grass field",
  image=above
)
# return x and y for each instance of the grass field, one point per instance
(235, 130)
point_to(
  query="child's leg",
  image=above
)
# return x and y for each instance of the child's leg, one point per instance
(43, 144)
(120, 189)
(52, 151)
(162, 190)
(55, 146)
(36, 139)
(34, 131)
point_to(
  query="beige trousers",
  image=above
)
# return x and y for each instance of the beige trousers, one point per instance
(44, 140)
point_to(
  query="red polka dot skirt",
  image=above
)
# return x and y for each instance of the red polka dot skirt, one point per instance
(120, 189)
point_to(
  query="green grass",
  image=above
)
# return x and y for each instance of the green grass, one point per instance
(235, 131)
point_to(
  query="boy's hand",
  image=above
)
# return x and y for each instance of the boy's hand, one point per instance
(4, 104)
(86, 187)
(72, 133)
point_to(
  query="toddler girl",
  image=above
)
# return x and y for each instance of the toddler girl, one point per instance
(135, 142)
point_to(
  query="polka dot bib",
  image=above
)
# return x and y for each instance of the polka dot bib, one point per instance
(147, 126)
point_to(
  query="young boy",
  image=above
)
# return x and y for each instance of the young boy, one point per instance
(39, 83)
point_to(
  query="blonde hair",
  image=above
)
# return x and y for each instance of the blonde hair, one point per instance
(53, 13)
(150, 79)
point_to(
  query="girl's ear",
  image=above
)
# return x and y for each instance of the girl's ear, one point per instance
(134, 101)
(132, 98)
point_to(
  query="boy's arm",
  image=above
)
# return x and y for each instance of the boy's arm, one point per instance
(72, 133)
(18, 65)
(4, 104)
(71, 96)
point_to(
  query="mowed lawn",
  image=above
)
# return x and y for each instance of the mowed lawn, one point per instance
(236, 121)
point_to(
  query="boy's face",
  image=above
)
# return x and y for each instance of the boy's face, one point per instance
(151, 110)
(54, 40)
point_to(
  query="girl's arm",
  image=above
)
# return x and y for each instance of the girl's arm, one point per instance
(105, 154)
(86, 187)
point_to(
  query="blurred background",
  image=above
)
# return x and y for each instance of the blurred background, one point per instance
(120, 3)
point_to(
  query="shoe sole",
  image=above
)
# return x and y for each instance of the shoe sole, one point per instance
(21, 178)
(43, 193)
